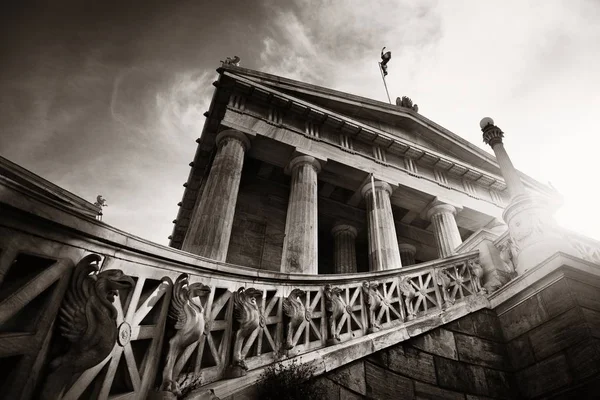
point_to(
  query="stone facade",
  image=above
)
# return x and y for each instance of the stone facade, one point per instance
(546, 345)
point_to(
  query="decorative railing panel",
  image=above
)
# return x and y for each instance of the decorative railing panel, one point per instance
(284, 315)
(588, 248)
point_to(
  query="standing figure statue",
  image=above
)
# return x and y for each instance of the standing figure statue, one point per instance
(100, 202)
(385, 58)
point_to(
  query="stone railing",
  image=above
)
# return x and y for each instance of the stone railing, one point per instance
(56, 277)
(589, 249)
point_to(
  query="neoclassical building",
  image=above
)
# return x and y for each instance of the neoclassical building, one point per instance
(317, 228)
(296, 178)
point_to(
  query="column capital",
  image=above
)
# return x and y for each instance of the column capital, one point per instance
(233, 134)
(379, 185)
(344, 228)
(492, 135)
(409, 248)
(438, 206)
(301, 160)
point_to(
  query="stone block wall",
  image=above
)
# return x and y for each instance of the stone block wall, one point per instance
(466, 359)
(553, 341)
(259, 223)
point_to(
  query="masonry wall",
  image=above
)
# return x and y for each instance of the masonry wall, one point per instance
(553, 341)
(259, 224)
(465, 359)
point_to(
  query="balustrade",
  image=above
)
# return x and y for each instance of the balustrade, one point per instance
(250, 318)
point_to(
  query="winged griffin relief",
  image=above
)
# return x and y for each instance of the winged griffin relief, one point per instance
(443, 280)
(296, 312)
(248, 314)
(189, 324)
(335, 307)
(374, 301)
(88, 320)
(476, 276)
(408, 294)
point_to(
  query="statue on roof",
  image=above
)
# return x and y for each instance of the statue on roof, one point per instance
(100, 201)
(235, 61)
(406, 102)
(385, 58)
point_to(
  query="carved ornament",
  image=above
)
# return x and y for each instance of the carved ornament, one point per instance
(408, 294)
(188, 317)
(88, 320)
(373, 300)
(247, 313)
(335, 307)
(296, 312)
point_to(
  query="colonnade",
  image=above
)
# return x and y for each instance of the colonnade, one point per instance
(211, 223)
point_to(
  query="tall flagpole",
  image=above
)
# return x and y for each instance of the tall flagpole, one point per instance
(378, 250)
(384, 84)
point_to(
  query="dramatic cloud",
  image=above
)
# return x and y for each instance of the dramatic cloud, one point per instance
(531, 67)
(108, 97)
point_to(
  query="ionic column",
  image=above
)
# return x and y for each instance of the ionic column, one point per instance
(344, 251)
(210, 228)
(445, 229)
(300, 243)
(383, 245)
(407, 254)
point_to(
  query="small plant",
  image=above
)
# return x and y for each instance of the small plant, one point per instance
(291, 382)
(188, 383)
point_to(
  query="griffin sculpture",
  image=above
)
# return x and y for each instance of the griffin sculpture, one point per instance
(296, 312)
(189, 324)
(406, 102)
(335, 307)
(374, 301)
(476, 275)
(232, 61)
(248, 315)
(88, 320)
(443, 280)
(408, 293)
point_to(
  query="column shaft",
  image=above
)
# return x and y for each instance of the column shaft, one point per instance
(300, 243)
(445, 229)
(383, 245)
(210, 228)
(509, 172)
(407, 254)
(344, 252)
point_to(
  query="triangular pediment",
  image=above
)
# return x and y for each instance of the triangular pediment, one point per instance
(414, 134)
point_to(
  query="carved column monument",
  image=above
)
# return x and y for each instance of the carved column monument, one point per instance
(300, 243)
(383, 246)
(210, 228)
(407, 254)
(445, 229)
(533, 231)
(344, 252)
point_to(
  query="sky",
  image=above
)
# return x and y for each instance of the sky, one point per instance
(107, 97)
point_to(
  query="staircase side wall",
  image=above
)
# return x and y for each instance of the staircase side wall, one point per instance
(465, 359)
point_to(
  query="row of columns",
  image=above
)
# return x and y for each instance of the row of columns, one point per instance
(210, 226)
